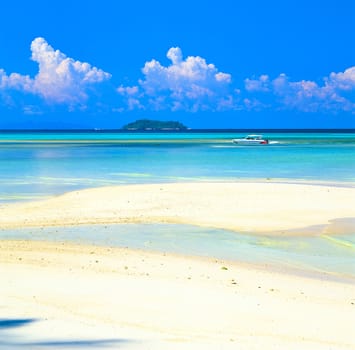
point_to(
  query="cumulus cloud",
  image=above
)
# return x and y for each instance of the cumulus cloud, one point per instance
(308, 96)
(184, 84)
(335, 93)
(60, 79)
(343, 80)
(260, 84)
(189, 84)
(192, 84)
(15, 81)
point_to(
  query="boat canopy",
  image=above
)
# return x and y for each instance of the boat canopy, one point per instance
(254, 137)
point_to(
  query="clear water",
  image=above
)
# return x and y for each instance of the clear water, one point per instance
(38, 165)
(317, 254)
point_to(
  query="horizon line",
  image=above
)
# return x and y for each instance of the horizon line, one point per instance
(189, 130)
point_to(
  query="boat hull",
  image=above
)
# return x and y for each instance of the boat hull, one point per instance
(250, 142)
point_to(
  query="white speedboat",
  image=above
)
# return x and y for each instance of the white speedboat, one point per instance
(253, 140)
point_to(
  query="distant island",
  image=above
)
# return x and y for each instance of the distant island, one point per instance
(154, 125)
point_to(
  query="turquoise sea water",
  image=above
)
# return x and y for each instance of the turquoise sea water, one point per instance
(37, 165)
(40, 165)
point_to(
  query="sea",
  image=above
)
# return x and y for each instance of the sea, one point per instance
(36, 165)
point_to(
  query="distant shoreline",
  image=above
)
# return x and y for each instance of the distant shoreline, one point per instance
(251, 130)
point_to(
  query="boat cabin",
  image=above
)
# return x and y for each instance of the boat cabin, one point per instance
(254, 137)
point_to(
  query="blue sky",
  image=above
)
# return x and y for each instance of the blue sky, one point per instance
(209, 64)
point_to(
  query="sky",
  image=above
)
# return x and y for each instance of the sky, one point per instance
(208, 64)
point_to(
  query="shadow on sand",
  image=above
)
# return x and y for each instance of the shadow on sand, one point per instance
(9, 340)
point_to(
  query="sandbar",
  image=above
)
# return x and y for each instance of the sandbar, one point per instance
(273, 208)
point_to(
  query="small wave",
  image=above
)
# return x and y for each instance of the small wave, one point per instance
(340, 242)
(222, 146)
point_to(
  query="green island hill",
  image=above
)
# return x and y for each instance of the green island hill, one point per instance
(154, 125)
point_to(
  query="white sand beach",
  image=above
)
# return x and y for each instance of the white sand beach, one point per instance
(243, 207)
(145, 300)
(161, 301)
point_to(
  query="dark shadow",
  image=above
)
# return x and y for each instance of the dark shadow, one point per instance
(9, 341)
(17, 322)
(77, 343)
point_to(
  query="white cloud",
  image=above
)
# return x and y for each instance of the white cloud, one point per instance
(175, 55)
(261, 84)
(128, 90)
(132, 95)
(60, 79)
(335, 94)
(189, 84)
(343, 80)
(185, 84)
(15, 81)
(182, 74)
(223, 77)
(31, 110)
(308, 96)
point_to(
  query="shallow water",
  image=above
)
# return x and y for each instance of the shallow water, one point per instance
(332, 255)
